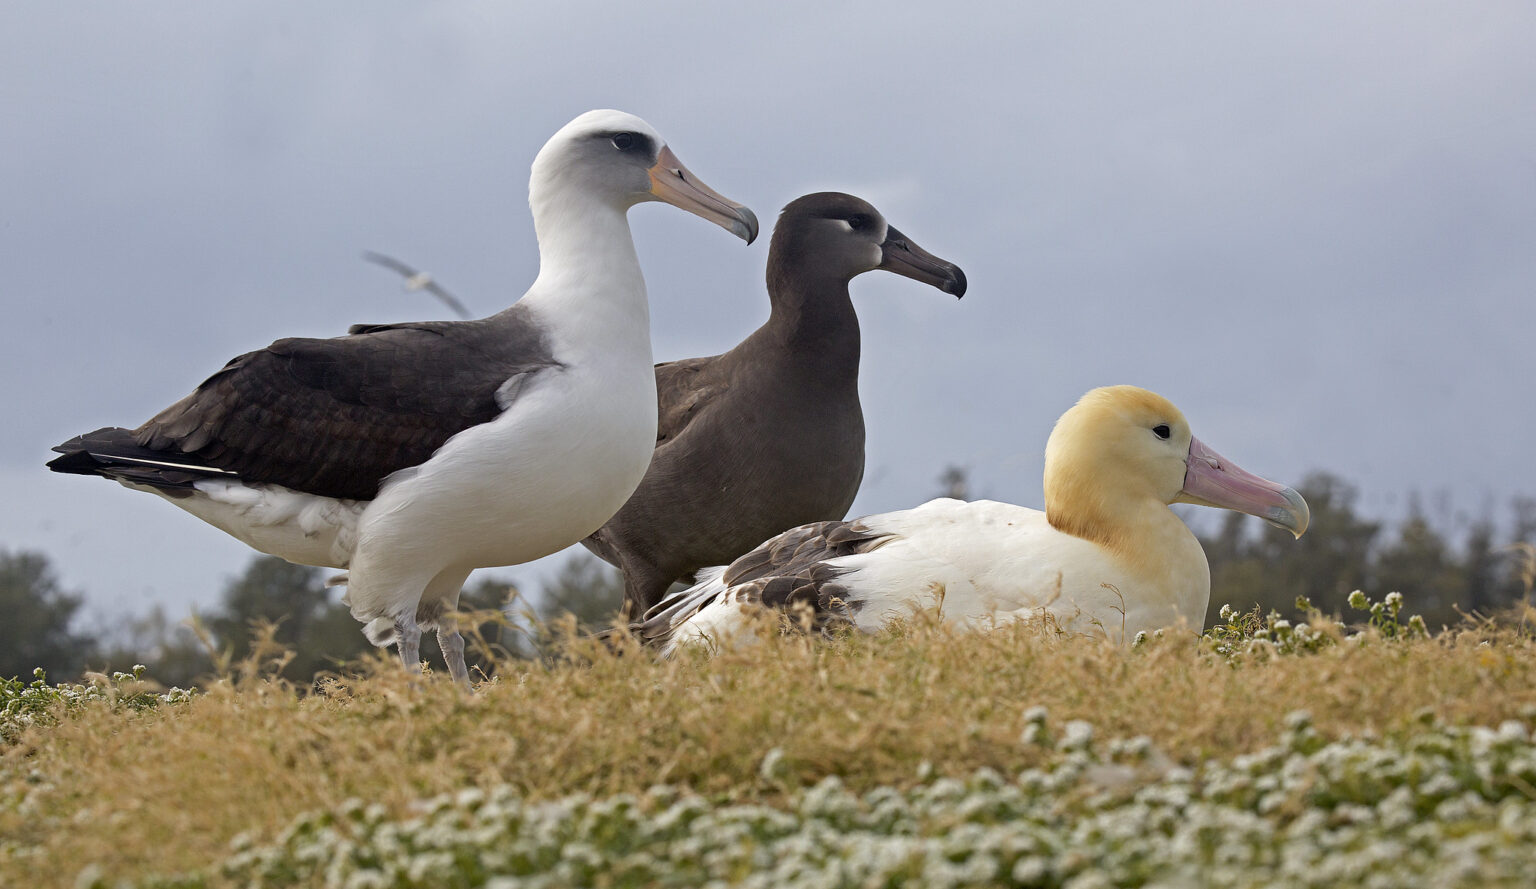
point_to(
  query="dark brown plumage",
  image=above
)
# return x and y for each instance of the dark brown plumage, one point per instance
(332, 417)
(769, 435)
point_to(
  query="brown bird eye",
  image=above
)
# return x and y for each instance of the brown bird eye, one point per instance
(1162, 431)
(624, 141)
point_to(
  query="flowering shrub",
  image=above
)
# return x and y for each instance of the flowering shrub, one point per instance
(1245, 634)
(24, 704)
(1440, 806)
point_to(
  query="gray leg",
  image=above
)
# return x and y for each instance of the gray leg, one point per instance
(436, 610)
(408, 640)
(452, 644)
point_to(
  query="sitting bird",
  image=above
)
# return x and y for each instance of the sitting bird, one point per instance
(769, 435)
(1107, 556)
(411, 454)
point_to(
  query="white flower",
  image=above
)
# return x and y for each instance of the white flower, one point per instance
(773, 766)
(1296, 720)
(1076, 734)
(1033, 734)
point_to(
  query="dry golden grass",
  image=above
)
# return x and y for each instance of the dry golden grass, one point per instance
(166, 790)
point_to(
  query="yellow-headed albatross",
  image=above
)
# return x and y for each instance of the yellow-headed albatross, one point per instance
(770, 434)
(1107, 554)
(411, 454)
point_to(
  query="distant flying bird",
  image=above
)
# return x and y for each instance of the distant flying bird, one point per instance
(411, 454)
(1107, 556)
(415, 280)
(770, 434)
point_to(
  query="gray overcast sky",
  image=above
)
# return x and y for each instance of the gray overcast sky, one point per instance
(1311, 225)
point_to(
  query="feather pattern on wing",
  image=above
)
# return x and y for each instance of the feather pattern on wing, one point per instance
(793, 568)
(683, 390)
(335, 417)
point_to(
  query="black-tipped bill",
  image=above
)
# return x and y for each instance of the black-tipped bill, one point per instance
(672, 182)
(900, 255)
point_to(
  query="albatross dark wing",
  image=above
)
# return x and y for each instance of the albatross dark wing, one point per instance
(683, 389)
(787, 571)
(336, 416)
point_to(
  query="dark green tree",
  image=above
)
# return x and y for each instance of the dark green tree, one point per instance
(311, 621)
(955, 482)
(1519, 575)
(1420, 565)
(171, 650)
(1482, 565)
(1270, 569)
(586, 588)
(35, 618)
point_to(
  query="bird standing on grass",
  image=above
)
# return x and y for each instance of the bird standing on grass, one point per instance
(411, 454)
(769, 435)
(1107, 556)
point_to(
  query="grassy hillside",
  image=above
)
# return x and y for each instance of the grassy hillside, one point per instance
(117, 783)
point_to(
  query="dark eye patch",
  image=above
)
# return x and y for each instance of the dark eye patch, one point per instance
(1162, 431)
(625, 141)
(858, 222)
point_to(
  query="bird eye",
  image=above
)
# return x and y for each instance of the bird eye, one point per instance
(1162, 431)
(858, 221)
(624, 141)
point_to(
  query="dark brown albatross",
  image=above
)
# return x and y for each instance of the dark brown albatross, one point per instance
(769, 435)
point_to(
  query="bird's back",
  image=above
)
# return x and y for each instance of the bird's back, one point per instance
(741, 455)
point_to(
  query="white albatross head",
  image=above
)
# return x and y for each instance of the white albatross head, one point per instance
(1121, 448)
(622, 160)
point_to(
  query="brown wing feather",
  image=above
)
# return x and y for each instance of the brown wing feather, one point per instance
(786, 572)
(683, 389)
(336, 416)
(799, 550)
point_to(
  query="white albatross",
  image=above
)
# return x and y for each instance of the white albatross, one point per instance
(1107, 556)
(411, 454)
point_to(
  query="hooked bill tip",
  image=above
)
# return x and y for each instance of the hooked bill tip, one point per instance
(746, 225)
(956, 284)
(1294, 517)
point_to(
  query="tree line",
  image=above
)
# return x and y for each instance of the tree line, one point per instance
(279, 617)
(1483, 573)
(286, 614)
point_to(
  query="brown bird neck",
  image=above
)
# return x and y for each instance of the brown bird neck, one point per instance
(811, 311)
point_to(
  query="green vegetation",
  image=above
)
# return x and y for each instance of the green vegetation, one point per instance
(37, 629)
(1444, 806)
(283, 609)
(1335, 739)
(1466, 568)
(1012, 757)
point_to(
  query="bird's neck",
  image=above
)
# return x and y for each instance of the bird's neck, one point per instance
(1137, 530)
(589, 273)
(582, 237)
(813, 314)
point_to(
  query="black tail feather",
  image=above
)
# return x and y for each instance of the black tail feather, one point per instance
(113, 452)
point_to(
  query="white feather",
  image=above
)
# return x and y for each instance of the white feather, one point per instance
(1128, 564)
